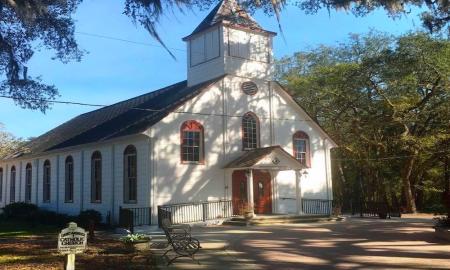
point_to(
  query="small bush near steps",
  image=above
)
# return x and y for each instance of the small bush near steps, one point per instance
(135, 238)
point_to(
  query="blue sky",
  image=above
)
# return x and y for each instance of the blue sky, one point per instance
(112, 70)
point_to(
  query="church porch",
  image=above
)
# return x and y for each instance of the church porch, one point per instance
(254, 184)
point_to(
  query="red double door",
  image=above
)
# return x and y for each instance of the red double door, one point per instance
(262, 192)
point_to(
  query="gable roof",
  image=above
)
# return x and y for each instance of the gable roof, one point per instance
(295, 101)
(128, 117)
(252, 157)
(228, 12)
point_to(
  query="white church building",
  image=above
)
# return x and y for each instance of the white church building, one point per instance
(227, 137)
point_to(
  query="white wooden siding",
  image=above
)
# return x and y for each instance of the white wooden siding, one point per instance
(204, 47)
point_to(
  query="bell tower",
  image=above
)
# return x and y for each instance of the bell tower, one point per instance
(228, 41)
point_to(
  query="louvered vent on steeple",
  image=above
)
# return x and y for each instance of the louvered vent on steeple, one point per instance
(223, 41)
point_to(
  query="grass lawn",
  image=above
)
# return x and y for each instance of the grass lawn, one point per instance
(25, 247)
(15, 229)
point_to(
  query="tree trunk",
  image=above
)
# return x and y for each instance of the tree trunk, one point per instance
(343, 181)
(419, 193)
(410, 206)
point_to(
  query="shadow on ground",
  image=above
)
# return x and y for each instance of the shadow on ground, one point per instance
(351, 244)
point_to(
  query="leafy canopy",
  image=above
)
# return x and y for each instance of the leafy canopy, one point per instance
(29, 25)
(380, 96)
(8, 142)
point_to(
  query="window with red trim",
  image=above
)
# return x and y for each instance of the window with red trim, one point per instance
(250, 131)
(192, 142)
(301, 148)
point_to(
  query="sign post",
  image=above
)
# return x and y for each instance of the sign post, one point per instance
(72, 240)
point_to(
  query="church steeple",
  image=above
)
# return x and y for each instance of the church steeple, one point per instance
(225, 42)
(227, 12)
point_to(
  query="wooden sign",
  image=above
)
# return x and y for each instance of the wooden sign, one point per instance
(72, 240)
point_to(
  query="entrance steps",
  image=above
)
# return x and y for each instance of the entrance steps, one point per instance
(265, 220)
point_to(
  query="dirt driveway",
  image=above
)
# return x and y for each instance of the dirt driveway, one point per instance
(407, 243)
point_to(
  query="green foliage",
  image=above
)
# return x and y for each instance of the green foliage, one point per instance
(51, 218)
(15, 228)
(437, 209)
(26, 26)
(87, 216)
(20, 210)
(9, 144)
(134, 238)
(386, 101)
(33, 215)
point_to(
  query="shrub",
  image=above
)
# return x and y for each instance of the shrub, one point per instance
(47, 217)
(33, 215)
(135, 238)
(21, 211)
(443, 222)
(87, 216)
(437, 209)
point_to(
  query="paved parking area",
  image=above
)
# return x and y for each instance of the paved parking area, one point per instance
(407, 243)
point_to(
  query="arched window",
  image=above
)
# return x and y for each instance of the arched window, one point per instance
(250, 131)
(96, 177)
(12, 185)
(1, 184)
(46, 176)
(301, 148)
(68, 183)
(192, 142)
(28, 176)
(130, 174)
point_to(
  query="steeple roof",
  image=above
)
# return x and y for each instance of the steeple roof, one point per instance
(228, 12)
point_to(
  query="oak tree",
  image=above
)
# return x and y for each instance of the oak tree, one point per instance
(28, 25)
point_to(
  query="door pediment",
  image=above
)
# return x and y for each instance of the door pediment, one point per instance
(268, 158)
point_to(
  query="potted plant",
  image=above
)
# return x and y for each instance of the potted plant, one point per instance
(136, 241)
(248, 211)
(442, 227)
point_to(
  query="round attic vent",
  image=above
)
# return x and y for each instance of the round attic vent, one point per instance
(249, 88)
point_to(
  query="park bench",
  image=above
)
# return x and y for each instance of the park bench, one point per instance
(180, 241)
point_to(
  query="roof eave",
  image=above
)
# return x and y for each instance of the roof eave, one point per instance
(234, 26)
